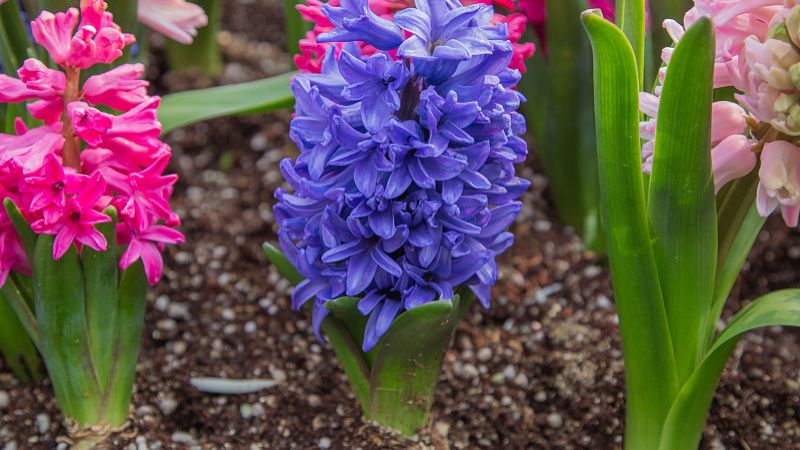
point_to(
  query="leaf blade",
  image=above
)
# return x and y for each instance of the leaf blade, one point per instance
(649, 360)
(262, 96)
(684, 425)
(682, 204)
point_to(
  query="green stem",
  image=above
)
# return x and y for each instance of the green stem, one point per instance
(204, 53)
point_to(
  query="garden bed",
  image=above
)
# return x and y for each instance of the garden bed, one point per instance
(541, 369)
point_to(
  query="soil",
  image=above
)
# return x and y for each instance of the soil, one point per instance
(541, 369)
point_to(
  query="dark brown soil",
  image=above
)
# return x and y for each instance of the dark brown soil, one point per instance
(542, 369)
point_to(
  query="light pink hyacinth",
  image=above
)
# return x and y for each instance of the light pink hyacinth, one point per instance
(64, 174)
(175, 19)
(756, 53)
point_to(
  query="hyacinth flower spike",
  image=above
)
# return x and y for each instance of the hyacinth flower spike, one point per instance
(402, 192)
(86, 214)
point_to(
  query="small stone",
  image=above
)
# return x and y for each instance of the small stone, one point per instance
(182, 437)
(540, 396)
(178, 311)
(484, 354)
(246, 411)
(4, 400)
(554, 420)
(279, 375)
(183, 258)
(314, 400)
(179, 347)
(10, 446)
(43, 423)
(228, 314)
(324, 443)
(168, 405)
(162, 302)
(470, 371)
(166, 325)
(250, 327)
(141, 443)
(259, 142)
(498, 378)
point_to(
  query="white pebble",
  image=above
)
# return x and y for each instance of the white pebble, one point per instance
(484, 354)
(168, 405)
(250, 327)
(554, 420)
(43, 423)
(228, 314)
(4, 400)
(324, 443)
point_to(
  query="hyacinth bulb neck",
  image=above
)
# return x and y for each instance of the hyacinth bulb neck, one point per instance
(72, 144)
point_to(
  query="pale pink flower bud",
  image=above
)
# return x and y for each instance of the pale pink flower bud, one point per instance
(727, 119)
(13, 90)
(176, 19)
(731, 159)
(54, 33)
(119, 88)
(780, 181)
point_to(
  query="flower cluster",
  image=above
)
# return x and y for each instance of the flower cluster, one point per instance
(312, 49)
(176, 19)
(405, 183)
(757, 54)
(64, 173)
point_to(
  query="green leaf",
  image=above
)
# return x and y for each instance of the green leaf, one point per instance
(684, 425)
(127, 343)
(731, 264)
(294, 26)
(346, 310)
(58, 292)
(570, 157)
(682, 205)
(16, 346)
(101, 278)
(631, 18)
(262, 96)
(14, 40)
(15, 296)
(408, 365)
(204, 52)
(24, 231)
(279, 260)
(649, 360)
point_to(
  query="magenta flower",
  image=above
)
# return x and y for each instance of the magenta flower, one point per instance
(62, 175)
(145, 245)
(76, 221)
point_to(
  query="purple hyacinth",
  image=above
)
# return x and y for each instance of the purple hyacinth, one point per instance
(405, 184)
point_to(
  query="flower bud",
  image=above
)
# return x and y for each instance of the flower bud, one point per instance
(792, 25)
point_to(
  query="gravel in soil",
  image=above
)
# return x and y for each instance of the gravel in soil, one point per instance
(542, 369)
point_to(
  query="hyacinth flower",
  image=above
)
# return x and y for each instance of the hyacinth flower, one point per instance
(405, 186)
(716, 170)
(86, 213)
(311, 50)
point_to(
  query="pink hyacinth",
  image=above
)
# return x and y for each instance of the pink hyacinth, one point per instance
(62, 175)
(757, 54)
(175, 19)
(312, 52)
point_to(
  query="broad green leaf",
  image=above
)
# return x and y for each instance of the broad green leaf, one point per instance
(408, 365)
(682, 205)
(262, 96)
(279, 260)
(649, 360)
(731, 264)
(631, 18)
(294, 26)
(15, 296)
(59, 296)
(127, 343)
(18, 350)
(684, 425)
(23, 229)
(568, 147)
(101, 282)
(346, 310)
